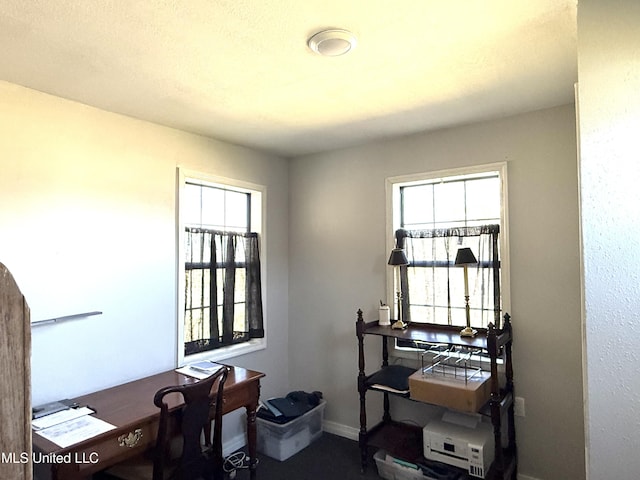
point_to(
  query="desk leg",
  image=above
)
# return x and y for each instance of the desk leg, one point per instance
(252, 438)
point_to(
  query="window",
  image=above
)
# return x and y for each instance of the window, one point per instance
(220, 291)
(433, 215)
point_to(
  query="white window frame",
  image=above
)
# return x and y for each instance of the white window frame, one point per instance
(258, 214)
(392, 188)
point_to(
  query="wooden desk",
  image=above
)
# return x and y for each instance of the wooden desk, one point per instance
(130, 408)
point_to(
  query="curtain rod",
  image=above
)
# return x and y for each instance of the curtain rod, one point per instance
(64, 318)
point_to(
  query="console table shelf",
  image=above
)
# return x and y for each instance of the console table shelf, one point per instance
(404, 440)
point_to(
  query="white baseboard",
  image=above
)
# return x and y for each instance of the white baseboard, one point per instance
(340, 430)
(234, 444)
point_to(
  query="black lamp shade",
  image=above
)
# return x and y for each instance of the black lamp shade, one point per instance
(398, 257)
(465, 257)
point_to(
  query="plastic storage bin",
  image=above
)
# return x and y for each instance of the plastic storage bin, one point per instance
(282, 441)
(391, 470)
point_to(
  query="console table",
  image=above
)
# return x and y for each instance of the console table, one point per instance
(130, 408)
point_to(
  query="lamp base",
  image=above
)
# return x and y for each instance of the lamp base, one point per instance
(468, 332)
(399, 325)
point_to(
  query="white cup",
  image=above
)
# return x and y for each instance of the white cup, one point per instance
(384, 315)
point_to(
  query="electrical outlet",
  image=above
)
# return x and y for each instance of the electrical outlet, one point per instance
(518, 407)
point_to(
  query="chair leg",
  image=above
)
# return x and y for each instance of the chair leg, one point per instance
(207, 434)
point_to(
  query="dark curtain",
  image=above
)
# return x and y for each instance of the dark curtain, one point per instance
(223, 293)
(433, 287)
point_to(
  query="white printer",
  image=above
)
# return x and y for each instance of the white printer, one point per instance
(460, 440)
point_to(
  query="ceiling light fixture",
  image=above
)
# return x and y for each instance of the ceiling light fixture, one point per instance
(332, 43)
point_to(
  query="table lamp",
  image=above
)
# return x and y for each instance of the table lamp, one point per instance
(464, 258)
(397, 259)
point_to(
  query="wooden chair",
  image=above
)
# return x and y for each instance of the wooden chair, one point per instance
(195, 461)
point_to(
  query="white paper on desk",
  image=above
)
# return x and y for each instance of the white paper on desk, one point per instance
(60, 417)
(74, 431)
(380, 386)
(190, 372)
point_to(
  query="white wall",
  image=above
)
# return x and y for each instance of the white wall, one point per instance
(609, 105)
(338, 264)
(87, 222)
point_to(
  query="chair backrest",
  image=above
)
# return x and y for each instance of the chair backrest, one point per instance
(195, 418)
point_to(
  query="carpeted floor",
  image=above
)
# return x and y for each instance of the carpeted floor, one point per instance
(329, 458)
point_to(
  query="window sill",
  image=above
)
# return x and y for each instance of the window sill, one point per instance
(225, 353)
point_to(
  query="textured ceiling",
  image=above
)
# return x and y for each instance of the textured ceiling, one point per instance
(240, 70)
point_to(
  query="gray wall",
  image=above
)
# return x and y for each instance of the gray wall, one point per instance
(87, 222)
(338, 251)
(78, 183)
(609, 105)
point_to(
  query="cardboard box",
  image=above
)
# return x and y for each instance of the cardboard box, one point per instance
(451, 392)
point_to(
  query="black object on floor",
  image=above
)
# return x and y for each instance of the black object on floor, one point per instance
(288, 408)
(331, 457)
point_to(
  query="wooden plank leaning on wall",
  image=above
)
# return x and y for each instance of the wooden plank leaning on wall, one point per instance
(15, 380)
